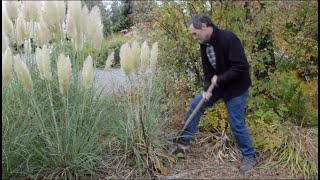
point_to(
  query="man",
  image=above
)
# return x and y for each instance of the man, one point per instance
(224, 64)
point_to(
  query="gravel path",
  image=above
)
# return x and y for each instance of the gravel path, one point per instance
(109, 81)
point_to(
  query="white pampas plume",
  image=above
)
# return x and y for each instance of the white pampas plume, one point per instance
(73, 22)
(87, 73)
(31, 10)
(64, 73)
(12, 9)
(154, 56)
(136, 57)
(95, 28)
(109, 61)
(144, 56)
(43, 63)
(53, 15)
(42, 33)
(49, 13)
(84, 19)
(5, 42)
(27, 46)
(7, 26)
(6, 67)
(21, 29)
(23, 74)
(26, 9)
(126, 59)
(74, 27)
(61, 6)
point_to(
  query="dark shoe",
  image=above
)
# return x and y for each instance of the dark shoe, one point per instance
(183, 145)
(247, 163)
(180, 146)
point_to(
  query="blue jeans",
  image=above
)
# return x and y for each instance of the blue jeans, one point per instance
(235, 108)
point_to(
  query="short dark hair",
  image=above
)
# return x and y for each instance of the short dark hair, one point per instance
(198, 19)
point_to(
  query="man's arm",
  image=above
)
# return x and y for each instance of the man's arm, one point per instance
(237, 61)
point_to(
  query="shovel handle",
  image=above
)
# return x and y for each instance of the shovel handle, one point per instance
(211, 87)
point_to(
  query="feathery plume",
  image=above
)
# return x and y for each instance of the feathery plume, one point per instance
(136, 57)
(7, 26)
(53, 15)
(144, 56)
(61, 6)
(21, 29)
(154, 56)
(64, 73)
(5, 43)
(26, 10)
(6, 67)
(43, 63)
(42, 33)
(95, 28)
(27, 46)
(125, 59)
(73, 20)
(109, 61)
(87, 73)
(84, 19)
(23, 74)
(12, 9)
(30, 10)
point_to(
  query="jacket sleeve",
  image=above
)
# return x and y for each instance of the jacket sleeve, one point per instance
(236, 59)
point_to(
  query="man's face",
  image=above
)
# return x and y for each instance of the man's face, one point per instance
(201, 34)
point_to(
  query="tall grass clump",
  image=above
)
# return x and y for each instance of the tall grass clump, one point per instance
(298, 151)
(54, 125)
(140, 131)
(68, 126)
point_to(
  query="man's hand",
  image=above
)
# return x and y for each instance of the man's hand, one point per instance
(206, 95)
(214, 80)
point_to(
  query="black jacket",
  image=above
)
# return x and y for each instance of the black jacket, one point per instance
(232, 66)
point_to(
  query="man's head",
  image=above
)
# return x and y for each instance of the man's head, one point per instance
(201, 27)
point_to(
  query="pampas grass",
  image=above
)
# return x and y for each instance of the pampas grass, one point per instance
(31, 10)
(154, 56)
(5, 43)
(12, 9)
(125, 59)
(27, 46)
(7, 26)
(43, 63)
(23, 74)
(144, 56)
(136, 57)
(53, 15)
(6, 67)
(21, 29)
(95, 29)
(64, 73)
(87, 73)
(42, 33)
(109, 61)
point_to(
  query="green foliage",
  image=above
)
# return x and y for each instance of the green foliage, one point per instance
(281, 43)
(215, 118)
(120, 16)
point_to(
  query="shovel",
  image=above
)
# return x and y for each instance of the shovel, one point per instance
(174, 146)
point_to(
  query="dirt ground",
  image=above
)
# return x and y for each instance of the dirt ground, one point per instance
(199, 164)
